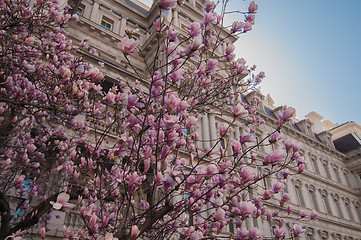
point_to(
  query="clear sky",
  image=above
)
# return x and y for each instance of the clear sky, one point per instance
(310, 51)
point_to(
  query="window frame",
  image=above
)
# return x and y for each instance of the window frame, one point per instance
(105, 21)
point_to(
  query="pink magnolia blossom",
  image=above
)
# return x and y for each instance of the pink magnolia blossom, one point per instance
(223, 129)
(92, 222)
(246, 175)
(313, 214)
(261, 75)
(252, 7)
(267, 194)
(219, 214)
(167, 4)
(277, 187)
(194, 29)
(254, 233)
(247, 27)
(276, 157)
(29, 40)
(250, 18)
(289, 209)
(212, 63)
(237, 26)
(285, 197)
(229, 49)
(135, 232)
(303, 214)
(194, 46)
(209, 17)
(287, 114)
(236, 147)
(279, 232)
(191, 121)
(211, 170)
(128, 46)
(297, 229)
(301, 167)
(242, 234)
(62, 201)
(158, 25)
(239, 110)
(172, 35)
(247, 208)
(196, 235)
(109, 236)
(274, 137)
(209, 6)
(42, 232)
(289, 144)
(244, 138)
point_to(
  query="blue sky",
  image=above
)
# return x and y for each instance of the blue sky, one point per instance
(310, 51)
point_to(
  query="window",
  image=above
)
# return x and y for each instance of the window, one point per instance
(358, 210)
(336, 198)
(299, 193)
(186, 132)
(314, 161)
(348, 207)
(80, 10)
(325, 201)
(107, 84)
(338, 174)
(314, 203)
(106, 23)
(327, 170)
(189, 216)
(19, 212)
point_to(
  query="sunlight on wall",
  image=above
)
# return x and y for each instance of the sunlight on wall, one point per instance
(147, 2)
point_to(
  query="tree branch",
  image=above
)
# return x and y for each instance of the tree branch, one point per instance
(5, 216)
(34, 216)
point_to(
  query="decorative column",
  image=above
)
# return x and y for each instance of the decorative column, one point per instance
(338, 173)
(212, 129)
(332, 171)
(249, 223)
(319, 201)
(123, 24)
(176, 19)
(205, 132)
(345, 208)
(95, 12)
(266, 228)
(116, 28)
(336, 200)
(331, 203)
(292, 192)
(341, 174)
(304, 191)
(355, 208)
(237, 134)
(321, 165)
(198, 130)
(357, 180)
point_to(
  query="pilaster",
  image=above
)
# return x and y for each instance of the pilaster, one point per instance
(95, 12)
(212, 129)
(205, 132)
(123, 24)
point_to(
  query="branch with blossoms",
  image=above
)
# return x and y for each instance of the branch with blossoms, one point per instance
(130, 162)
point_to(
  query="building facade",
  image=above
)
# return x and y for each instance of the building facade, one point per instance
(331, 181)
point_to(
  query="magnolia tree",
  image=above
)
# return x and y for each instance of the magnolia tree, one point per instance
(129, 161)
